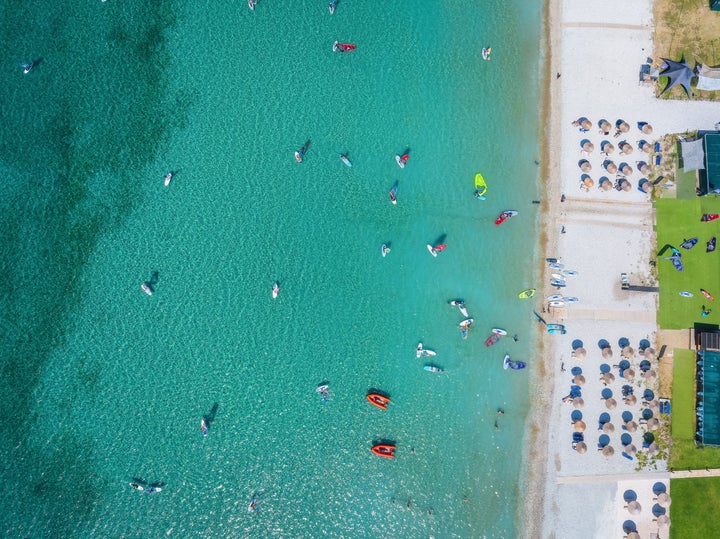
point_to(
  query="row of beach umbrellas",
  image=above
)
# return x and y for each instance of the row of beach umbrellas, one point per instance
(605, 127)
(623, 147)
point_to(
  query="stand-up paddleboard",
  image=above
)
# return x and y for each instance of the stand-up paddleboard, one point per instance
(514, 365)
(401, 160)
(525, 294)
(147, 288)
(150, 490)
(685, 294)
(27, 66)
(168, 178)
(343, 47)
(433, 368)
(251, 4)
(299, 156)
(345, 160)
(384, 250)
(422, 352)
(393, 194)
(467, 322)
(137, 487)
(203, 427)
(498, 331)
(324, 390)
(460, 305)
(432, 250)
(331, 6)
(480, 187)
(275, 289)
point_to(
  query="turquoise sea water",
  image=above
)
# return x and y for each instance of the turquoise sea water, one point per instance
(102, 385)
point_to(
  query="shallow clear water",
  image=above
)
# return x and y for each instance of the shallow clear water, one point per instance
(103, 385)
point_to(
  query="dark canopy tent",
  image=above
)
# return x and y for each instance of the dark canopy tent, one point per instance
(679, 73)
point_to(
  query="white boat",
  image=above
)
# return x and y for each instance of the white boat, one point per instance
(168, 178)
(275, 289)
(461, 306)
(385, 250)
(147, 288)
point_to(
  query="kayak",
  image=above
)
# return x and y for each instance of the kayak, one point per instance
(433, 368)
(710, 245)
(480, 187)
(525, 294)
(343, 47)
(554, 297)
(570, 273)
(689, 244)
(706, 294)
(393, 194)
(570, 299)
(707, 217)
(275, 289)
(147, 288)
(168, 177)
(556, 304)
(385, 250)
(345, 160)
(378, 400)
(384, 450)
(401, 160)
(510, 364)
(137, 487)
(331, 6)
(685, 294)
(460, 305)
(203, 427)
(420, 351)
(555, 265)
(504, 216)
(558, 276)
(467, 322)
(555, 326)
(145, 489)
(557, 331)
(495, 337)
(552, 260)
(558, 283)
(437, 249)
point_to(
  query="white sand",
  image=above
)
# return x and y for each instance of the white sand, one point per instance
(598, 47)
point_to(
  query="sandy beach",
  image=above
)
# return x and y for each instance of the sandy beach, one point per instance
(594, 53)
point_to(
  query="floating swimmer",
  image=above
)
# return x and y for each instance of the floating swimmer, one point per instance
(486, 53)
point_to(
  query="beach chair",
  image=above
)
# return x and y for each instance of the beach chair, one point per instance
(627, 456)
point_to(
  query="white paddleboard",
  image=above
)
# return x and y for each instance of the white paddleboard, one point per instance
(432, 250)
(498, 331)
(558, 276)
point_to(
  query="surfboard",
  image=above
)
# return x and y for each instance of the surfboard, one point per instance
(685, 294)
(432, 250)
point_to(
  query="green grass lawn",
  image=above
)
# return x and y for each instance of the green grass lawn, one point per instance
(678, 220)
(693, 507)
(684, 454)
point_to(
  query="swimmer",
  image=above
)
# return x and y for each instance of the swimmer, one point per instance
(500, 411)
(515, 338)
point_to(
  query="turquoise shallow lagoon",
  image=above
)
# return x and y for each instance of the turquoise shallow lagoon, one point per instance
(102, 385)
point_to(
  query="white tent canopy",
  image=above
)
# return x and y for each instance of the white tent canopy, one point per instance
(693, 155)
(708, 78)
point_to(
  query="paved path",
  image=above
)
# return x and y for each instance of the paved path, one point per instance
(611, 478)
(604, 25)
(603, 314)
(684, 474)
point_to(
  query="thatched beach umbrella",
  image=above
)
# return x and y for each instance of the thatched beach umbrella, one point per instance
(632, 535)
(654, 405)
(586, 124)
(610, 403)
(623, 126)
(607, 378)
(625, 185)
(646, 146)
(663, 521)
(587, 181)
(634, 507)
(626, 169)
(653, 423)
(630, 400)
(608, 428)
(605, 127)
(579, 380)
(647, 129)
(631, 426)
(654, 449)
(579, 426)
(581, 447)
(578, 402)
(607, 147)
(630, 449)
(587, 146)
(579, 353)
(627, 352)
(643, 167)
(647, 187)
(650, 375)
(649, 353)
(585, 165)
(629, 375)
(609, 166)
(608, 451)
(607, 352)
(626, 148)
(605, 183)
(663, 499)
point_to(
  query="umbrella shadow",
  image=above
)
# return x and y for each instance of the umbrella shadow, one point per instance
(210, 416)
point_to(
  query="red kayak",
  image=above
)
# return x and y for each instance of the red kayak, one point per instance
(378, 400)
(343, 47)
(492, 339)
(707, 217)
(384, 450)
(504, 216)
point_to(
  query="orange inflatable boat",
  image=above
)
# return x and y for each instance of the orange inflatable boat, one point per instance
(384, 450)
(378, 400)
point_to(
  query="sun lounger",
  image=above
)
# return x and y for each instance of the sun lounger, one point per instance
(626, 456)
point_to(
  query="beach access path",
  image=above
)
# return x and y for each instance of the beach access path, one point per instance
(595, 51)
